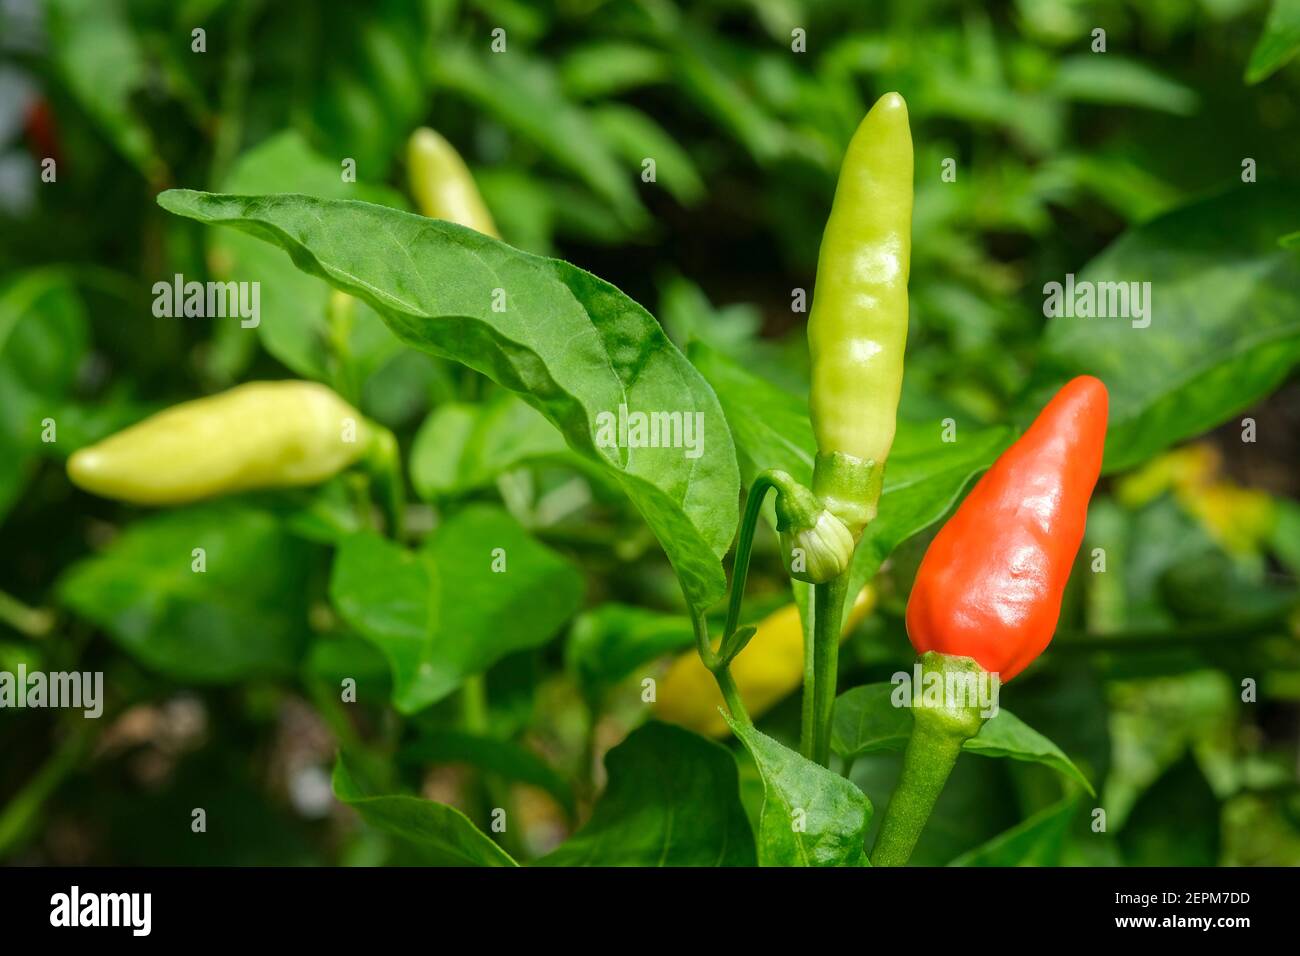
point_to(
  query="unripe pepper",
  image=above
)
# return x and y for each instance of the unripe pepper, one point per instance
(442, 184)
(258, 435)
(857, 329)
(766, 672)
(991, 583)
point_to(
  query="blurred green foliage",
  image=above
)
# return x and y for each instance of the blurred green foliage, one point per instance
(224, 695)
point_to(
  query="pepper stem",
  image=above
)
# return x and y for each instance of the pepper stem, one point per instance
(383, 461)
(939, 731)
(828, 621)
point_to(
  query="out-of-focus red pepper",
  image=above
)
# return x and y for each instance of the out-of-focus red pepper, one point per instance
(991, 583)
(42, 135)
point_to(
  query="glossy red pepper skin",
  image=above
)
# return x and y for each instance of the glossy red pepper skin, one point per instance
(991, 583)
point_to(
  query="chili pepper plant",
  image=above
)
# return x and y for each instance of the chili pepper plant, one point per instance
(359, 509)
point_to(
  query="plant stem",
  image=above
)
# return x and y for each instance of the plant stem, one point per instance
(828, 618)
(744, 546)
(33, 622)
(939, 729)
(930, 756)
(473, 704)
(384, 463)
(731, 694)
(807, 710)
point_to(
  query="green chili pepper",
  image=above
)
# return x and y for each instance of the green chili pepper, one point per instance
(442, 184)
(258, 435)
(858, 326)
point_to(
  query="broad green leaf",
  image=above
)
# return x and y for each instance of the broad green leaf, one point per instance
(462, 446)
(924, 477)
(508, 760)
(866, 721)
(1115, 81)
(771, 426)
(1278, 43)
(97, 55)
(443, 834)
(1224, 322)
(1006, 735)
(673, 799)
(524, 94)
(242, 617)
(810, 816)
(451, 291)
(43, 339)
(1038, 841)
(608, 642)
(478, 589)
(294, 324)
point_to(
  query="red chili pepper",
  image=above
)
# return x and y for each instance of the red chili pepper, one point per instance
(42, 133)
(991, 583)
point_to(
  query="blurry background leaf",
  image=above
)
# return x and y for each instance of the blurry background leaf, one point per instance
(440, 614)
(1278, 43)
(1225, 321)
(1176, 823)
(243, 617)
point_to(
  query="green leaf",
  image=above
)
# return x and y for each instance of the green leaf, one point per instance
(673, 799)
(810, 816)
(436, 285)
(1175, 823)
(442, 613)
(866, 721)
(96, 53)
(502, 757)
(462, 446)
(1224, 323)
(1006, 735)
(1037, 841)
(443, 834)
(1114, 81)
(43, 339)
(771, 427)
(293, 305)
(636, 137)
(244, 616)
(607, 68)
(1278, 43)
(610, 641)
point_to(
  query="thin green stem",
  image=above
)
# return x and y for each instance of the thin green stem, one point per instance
(807, 708)
(31, 621)
(828, 616)
(744, 546)
(931, 754)
(473, 704)
(384, 463)
(731, 694)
